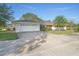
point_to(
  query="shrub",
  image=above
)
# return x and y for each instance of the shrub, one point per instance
(77, 28)
(42, 28)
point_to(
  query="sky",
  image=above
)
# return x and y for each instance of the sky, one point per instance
(47, 11)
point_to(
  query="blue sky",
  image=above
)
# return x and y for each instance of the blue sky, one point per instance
(47, 11)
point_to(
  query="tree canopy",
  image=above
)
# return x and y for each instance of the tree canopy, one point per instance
(60, 21)
(30, 17)
(6, 14)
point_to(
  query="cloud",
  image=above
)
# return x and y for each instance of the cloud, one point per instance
(73, 17)
(63, 8)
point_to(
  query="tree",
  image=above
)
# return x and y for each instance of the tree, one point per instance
(71, 25)
(30, 17)
(6, 14)
(60, 21)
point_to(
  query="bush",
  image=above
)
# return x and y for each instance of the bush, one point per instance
(77, 28)
(42, 28)
(8, 29)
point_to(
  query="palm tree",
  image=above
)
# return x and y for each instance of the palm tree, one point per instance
(6, 14)
(60, 21)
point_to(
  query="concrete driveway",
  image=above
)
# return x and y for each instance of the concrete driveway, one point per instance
(55, 45)
(58, 45)
(10, 47)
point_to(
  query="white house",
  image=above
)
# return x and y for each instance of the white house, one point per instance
(26, 26)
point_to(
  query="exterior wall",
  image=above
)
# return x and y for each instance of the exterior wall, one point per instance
(53, 28)
(58, 28)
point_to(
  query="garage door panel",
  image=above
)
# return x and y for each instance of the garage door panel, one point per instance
(28, 28)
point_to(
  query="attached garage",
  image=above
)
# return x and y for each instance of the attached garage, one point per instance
(27, 26)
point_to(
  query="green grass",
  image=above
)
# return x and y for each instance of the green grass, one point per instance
(7, 35)
(61, 32)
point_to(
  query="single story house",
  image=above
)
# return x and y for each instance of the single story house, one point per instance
(51, 26)
(34, 26)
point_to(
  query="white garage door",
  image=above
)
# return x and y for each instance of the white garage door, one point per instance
(27, 28)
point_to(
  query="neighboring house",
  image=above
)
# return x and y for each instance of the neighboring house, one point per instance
(51, 26)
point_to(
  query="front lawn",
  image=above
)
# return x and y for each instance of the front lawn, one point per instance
(61, 32)
(8, 35)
